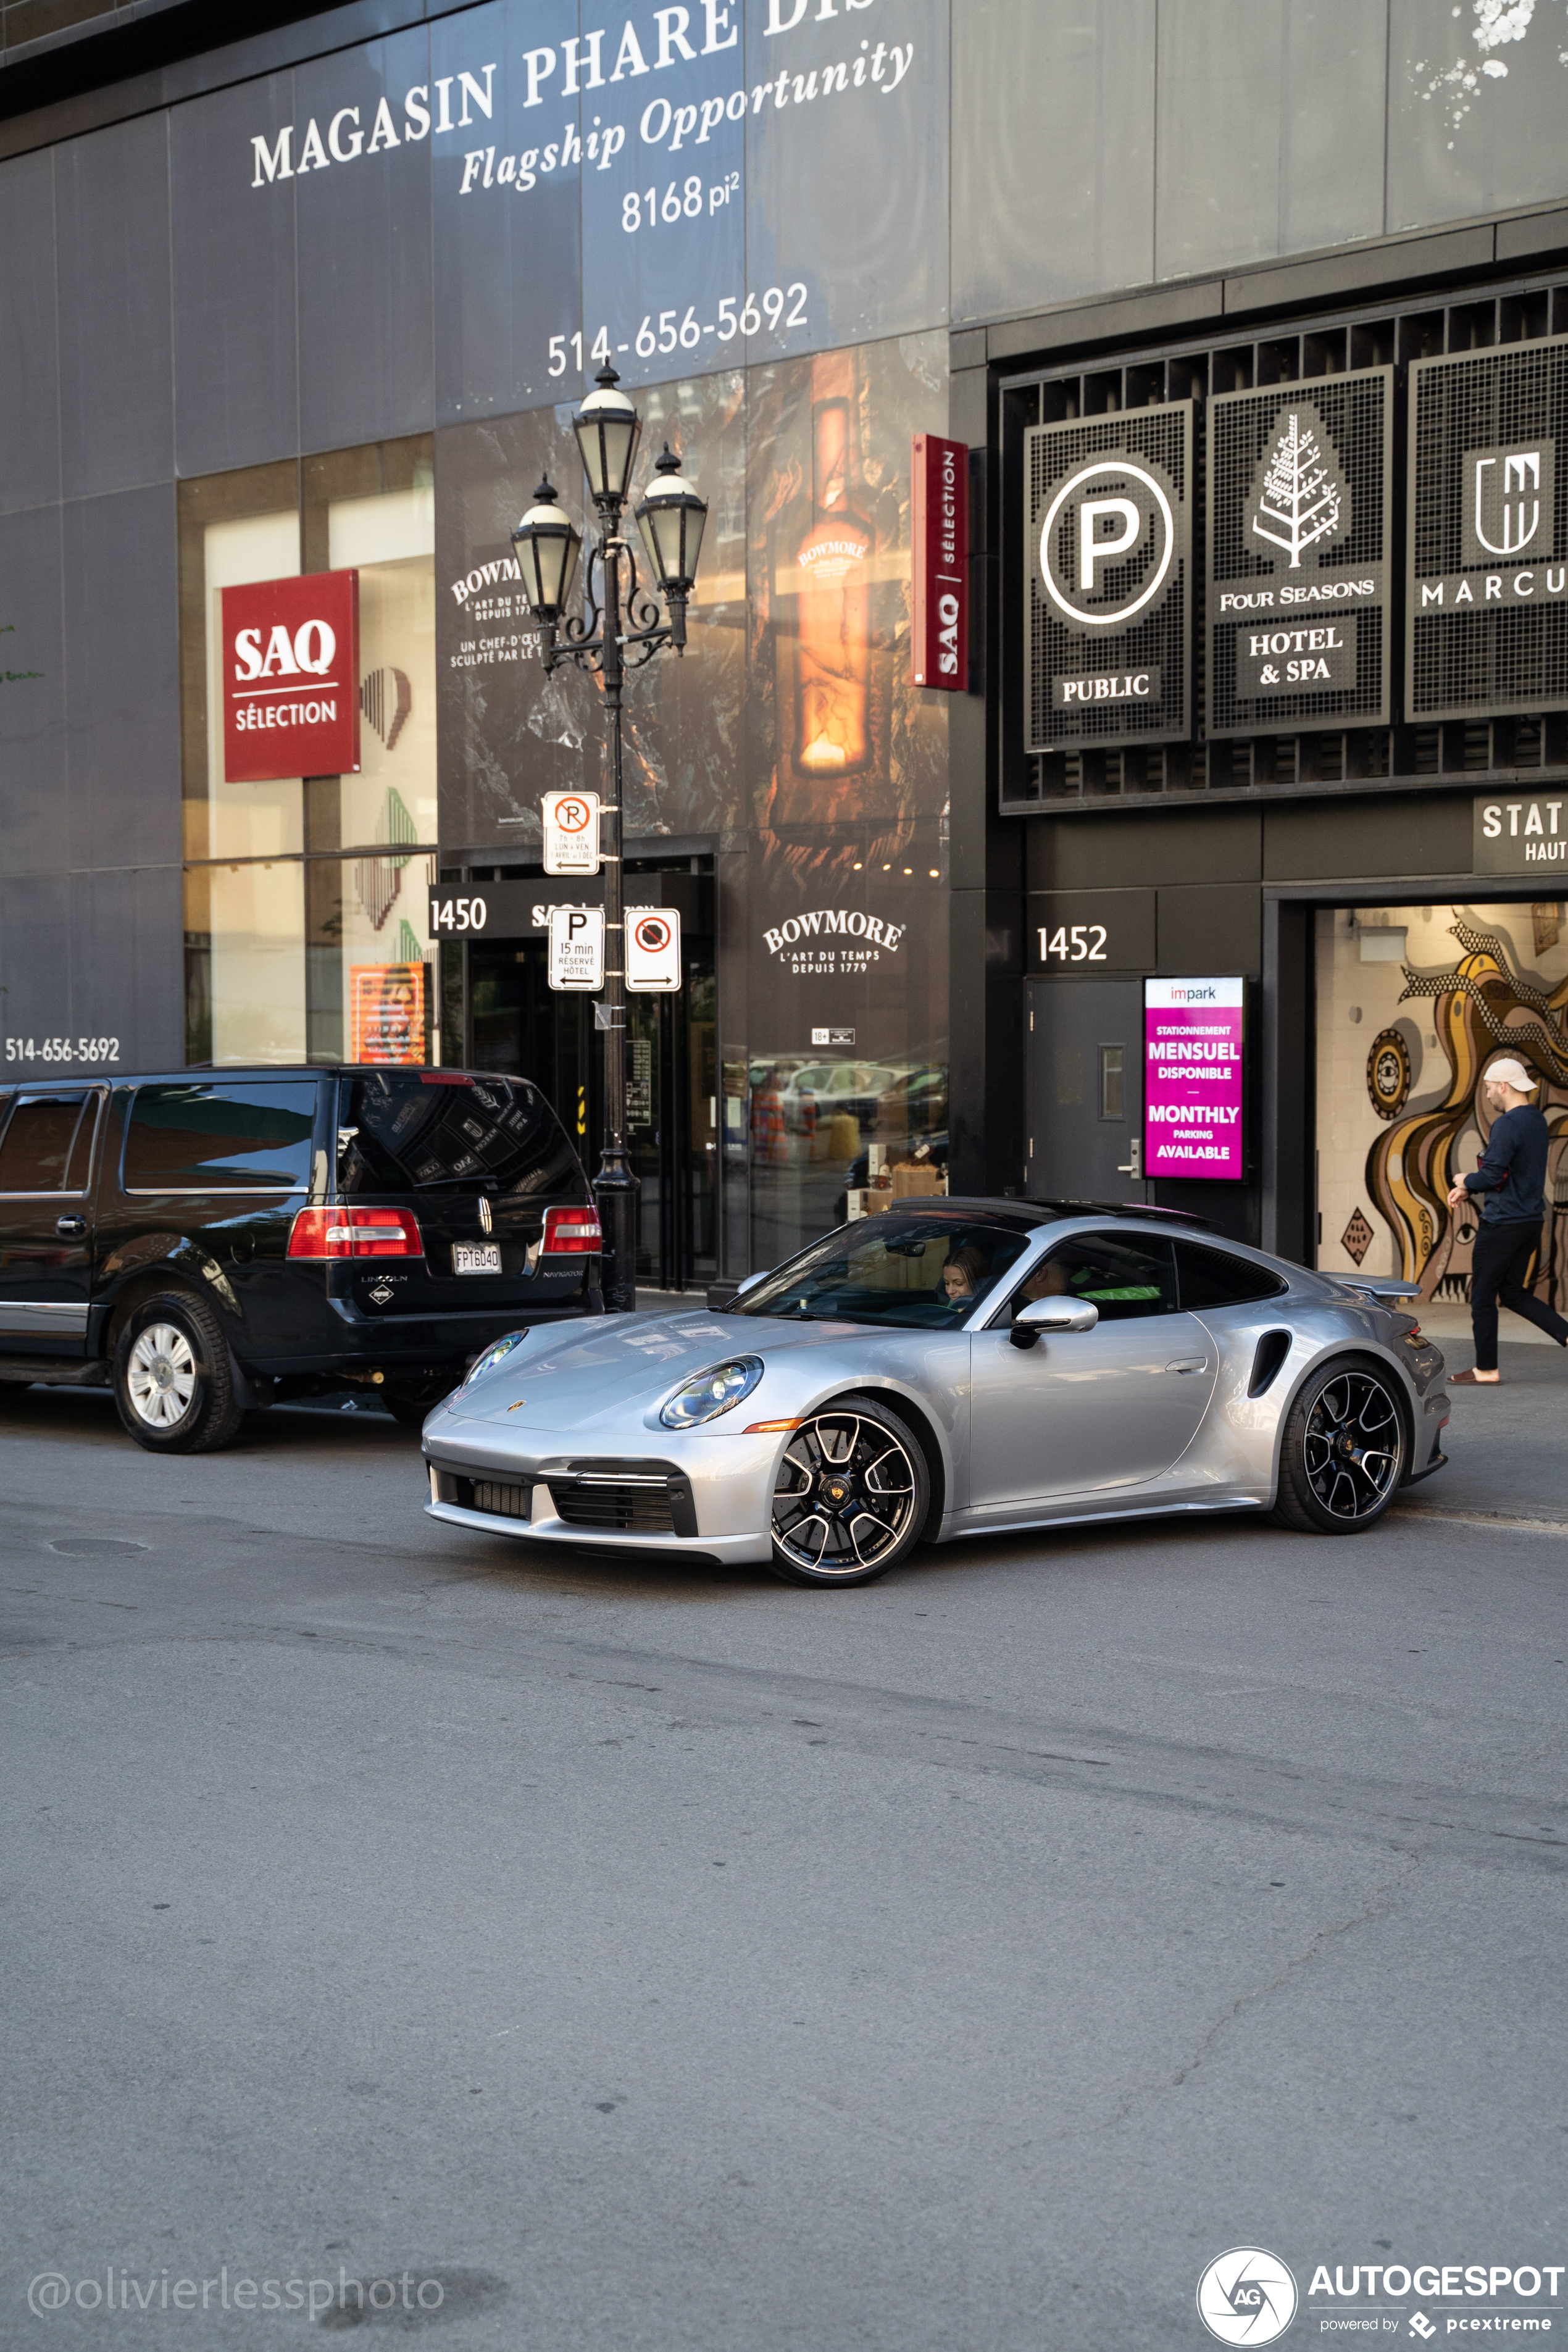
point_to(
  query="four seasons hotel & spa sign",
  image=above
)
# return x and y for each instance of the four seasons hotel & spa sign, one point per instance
(1299, 576)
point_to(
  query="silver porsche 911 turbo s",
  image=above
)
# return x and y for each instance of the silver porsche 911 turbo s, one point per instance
(951, 1368)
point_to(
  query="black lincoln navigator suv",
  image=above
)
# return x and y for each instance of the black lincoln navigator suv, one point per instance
(211, 1241)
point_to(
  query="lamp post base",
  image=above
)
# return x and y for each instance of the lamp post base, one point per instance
(616, 1193)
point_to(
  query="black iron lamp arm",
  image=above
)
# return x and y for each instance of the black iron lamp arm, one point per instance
(582, 639)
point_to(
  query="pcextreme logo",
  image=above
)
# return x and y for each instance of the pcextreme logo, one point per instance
(1246, 2296)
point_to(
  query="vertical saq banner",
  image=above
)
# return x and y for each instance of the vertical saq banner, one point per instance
(939, 530)
(1195, 1078)
(387, 1006)
(290, 677)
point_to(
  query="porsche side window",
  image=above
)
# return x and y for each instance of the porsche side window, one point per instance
(1124, 1277)
(922, 1272)
(1212, 1277)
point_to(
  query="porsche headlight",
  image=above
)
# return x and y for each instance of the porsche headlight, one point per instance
(493, 1357)
(711, 1393)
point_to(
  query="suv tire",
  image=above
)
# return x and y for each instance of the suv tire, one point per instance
(173, 1381)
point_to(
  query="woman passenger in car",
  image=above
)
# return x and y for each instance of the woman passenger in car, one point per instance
(964, 1277)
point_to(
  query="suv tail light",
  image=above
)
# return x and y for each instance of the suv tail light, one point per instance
(568, 1231)
(355, 1233)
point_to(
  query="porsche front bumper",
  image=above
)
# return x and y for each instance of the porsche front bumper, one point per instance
(707, 1499)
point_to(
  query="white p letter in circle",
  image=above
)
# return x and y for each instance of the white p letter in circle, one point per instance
(1091, 548)
(1107, 543)
(1246, 2296)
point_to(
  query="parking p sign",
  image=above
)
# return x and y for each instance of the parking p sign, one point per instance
(652, 948)
(577, 947)
(571, 832)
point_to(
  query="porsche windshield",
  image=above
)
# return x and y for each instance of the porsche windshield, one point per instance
(928, 1273)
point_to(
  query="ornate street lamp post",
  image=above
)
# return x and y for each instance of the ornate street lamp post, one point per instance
(621, 631)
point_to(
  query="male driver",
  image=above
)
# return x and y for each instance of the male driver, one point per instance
(1512, 1177)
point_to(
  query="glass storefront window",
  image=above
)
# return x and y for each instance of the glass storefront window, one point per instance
(307, 911)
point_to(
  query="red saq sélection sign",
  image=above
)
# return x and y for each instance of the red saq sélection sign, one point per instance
(1195, 1078)
(290, 677)
(940, 531)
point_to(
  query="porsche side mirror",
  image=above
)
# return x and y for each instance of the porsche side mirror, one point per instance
(752, 1281)
(1042, 1315)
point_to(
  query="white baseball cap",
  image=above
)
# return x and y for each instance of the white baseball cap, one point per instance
(1509, 1073)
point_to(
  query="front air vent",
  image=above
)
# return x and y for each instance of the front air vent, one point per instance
(614, 1507)
(611, 1496)
(498, 1498)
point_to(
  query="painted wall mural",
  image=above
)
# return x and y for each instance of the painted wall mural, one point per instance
(1402, 1116)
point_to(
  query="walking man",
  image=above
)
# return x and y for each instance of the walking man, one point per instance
(1511, 1179)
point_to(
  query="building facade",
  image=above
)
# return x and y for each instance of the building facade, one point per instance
(1247, 312)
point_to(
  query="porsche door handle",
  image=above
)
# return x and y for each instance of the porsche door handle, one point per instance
(1189, 1364)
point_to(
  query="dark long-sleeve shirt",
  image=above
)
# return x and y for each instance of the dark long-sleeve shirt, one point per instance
(1513, 1173)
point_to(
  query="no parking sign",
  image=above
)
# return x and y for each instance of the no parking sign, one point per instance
(571, 832)
(652, 948)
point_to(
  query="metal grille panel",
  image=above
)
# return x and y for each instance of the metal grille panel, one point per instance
(1298, 527)
(1487, 613)
(1070, 657)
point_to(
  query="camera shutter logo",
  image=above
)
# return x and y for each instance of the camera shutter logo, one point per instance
(1108, 543)
(1246, 2296)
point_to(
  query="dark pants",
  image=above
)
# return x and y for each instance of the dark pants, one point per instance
(1498, 1268)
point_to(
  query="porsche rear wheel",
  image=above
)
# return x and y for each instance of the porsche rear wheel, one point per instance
(851, 1497)
(1344, 1450)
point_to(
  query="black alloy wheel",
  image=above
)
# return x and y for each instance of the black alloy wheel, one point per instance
(851, 1497)
(1344, 1450)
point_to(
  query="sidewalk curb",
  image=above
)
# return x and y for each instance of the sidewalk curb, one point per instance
(1456, 1513)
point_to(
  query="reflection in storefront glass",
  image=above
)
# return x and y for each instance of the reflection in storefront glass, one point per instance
(307, 901)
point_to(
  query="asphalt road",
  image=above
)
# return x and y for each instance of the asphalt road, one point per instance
(681, 1961)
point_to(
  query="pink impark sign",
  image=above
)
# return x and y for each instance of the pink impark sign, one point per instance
(1192, 1076)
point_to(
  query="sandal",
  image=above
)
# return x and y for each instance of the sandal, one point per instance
(1471, 1381)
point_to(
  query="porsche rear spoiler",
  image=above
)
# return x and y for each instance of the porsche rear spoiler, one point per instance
(1390, 1290)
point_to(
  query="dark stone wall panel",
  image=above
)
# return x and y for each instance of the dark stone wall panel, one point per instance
(117, 382)
(35, 957)
(32, 709)
(127, 968)
(122, 711)
(29, 344)
(367, 366)
(236, 394)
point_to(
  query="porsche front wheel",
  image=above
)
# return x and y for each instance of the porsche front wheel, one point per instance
(850, 1497)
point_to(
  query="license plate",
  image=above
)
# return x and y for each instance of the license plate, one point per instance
(476, 1257)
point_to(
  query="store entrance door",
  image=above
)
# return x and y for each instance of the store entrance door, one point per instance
(519, 1023)
(1084, 1089)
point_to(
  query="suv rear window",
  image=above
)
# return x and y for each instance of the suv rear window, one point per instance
(241, 1135)
(415, 1131)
